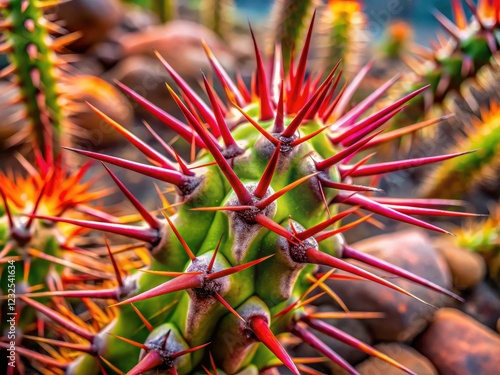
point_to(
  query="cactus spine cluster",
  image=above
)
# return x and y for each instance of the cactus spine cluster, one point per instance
(231, 270)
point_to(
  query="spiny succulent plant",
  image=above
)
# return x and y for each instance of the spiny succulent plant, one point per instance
(231, 270)
(289, 20)
(43, 252)
(218, 16)
(35, 66)
(484, 238)
(165, 9)
(38, 70)
(455, 178)
(396, 40)
(451, 61)
(343, 36)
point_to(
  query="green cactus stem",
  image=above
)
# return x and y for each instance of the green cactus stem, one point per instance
(34, 64)
(230, 272)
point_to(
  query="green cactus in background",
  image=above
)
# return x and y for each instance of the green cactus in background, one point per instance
(452, 61)
(455, 178)
(289, 26)
(342, 36)
(218, 16)
(484, 238)
(230, 269)
(34, 64)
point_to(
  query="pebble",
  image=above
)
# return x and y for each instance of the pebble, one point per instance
(403, 354)
(483, 304)
(167, 38)
(94, 19)
(457, 344)
(467, 268)
(106, 98)
(405, 317)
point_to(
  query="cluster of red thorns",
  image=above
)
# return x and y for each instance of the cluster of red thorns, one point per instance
(302, 99)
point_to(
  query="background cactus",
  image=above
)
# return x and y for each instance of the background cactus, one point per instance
(218, 16)
(455, 178)
(231, 267)
(289, 20)
(483, 237)
(35, 66)
(342, 36)
(453, 63)
(53, 111)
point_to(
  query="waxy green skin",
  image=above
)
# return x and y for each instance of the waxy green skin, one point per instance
(40, 95)
(202, 231)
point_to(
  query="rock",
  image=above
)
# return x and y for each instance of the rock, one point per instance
(405, 317)
(457, 344)
(403, 354)
(352, 327)
(467, 268)
(94, 19)
(483, 304)
(146, 76)
(93, 129)
(167, 40)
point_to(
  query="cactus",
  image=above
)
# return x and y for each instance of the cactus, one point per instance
(484, 238)
(41, 84)
(453, 65)
(165, 9)
(455, 178)
(289, 25)
(35, 66)
(218, 16)
(396, 40)
(42, 251)
(232, 265)
(343, 36)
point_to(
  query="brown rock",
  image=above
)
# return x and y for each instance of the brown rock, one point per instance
(146, 76)
(84, 89)
(404, 355)
(467, 268)
(179, 43)
(405, 317)
(482, 303)
(94, 19)
(457, 344)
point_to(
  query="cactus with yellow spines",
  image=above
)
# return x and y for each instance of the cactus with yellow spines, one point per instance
(34, 64)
